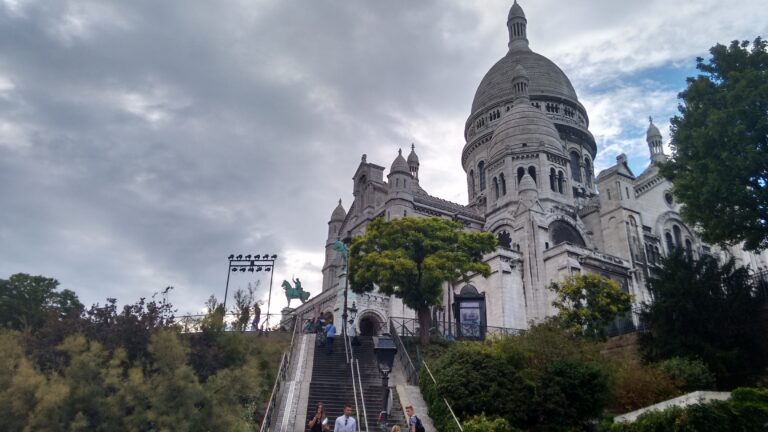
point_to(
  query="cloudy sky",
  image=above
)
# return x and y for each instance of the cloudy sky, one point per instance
(143, 141)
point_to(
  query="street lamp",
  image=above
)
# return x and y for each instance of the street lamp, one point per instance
(340, 247)
(385, 349)
(353, 313)
(251, 263)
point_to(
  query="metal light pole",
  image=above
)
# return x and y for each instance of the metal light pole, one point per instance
(251, 263)
(385, 349)
(342, 248)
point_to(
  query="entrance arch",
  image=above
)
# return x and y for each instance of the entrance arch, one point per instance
(370, 324)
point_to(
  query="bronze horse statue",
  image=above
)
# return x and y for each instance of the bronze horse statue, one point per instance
(294, 292)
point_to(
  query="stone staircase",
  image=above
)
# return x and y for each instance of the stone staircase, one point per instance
(332, 385)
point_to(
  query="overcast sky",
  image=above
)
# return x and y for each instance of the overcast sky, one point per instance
(143, 141)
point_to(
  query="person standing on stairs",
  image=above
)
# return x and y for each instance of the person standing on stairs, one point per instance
(330, 335)
(319, 422)
(346, 423)
(414, 423)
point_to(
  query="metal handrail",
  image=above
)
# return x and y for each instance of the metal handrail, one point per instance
(362, 395)
(354, 392)
(405, 358)
(285, 363)
(267, 421)
(458, 424)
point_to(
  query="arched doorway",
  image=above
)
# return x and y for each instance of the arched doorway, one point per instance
(370, 324)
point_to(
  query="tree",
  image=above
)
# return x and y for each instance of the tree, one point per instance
(586, 304)
(412, 258)
(720, 146)
(705, 311)
(242, 309)
(27, 301)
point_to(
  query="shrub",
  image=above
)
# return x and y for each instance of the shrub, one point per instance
(747, 410)
(484, 424)
(637, 385)
(689, 375)
(475, 380)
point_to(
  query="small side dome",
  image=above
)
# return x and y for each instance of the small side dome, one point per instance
(339, 214)
(399, 164)
(653, 131)
(516, 11)
(527, 184)
(413, 158)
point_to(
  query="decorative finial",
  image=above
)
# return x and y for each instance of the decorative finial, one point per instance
(413, 147)
(400, 151)
(339, 201)
(650, 119)
(364, 158)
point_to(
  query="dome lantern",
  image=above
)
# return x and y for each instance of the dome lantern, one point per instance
(516, 23)
(413, 162)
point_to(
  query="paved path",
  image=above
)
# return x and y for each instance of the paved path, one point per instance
(292, 411)
(411, 395)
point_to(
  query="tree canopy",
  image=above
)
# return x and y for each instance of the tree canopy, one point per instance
(719, 162)
(702, 310)
(412, 257)
(27, 301)
(586, 304)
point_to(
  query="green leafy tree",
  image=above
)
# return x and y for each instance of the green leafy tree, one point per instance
(28, 301)
(242, 309)
(702, 310)
(586, 304)
(412, 257)
(720, 146)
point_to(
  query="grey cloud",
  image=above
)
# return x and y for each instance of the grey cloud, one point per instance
(154, 138)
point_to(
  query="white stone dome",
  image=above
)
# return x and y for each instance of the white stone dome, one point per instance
(339, 214)
(399, 164)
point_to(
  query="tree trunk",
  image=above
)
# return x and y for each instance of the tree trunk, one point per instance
(425, 322)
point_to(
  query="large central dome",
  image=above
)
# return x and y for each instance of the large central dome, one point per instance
(546, 79)
(550, 91)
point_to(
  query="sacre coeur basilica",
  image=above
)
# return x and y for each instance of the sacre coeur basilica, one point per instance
(529, 165)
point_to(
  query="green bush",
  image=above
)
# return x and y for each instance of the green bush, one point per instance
(637, 385)
(543, 379)
(690, 375)
(485, 424)
(746, 411)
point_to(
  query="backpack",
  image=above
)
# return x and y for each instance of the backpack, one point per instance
(419, 426)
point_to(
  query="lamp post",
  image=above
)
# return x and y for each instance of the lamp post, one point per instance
(385, 349)
(251, 263)
(353, 315)
(342, 248)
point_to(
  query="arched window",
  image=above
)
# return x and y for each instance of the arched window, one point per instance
(553, 180)
(495, 188)
(588, 171)
(481, 174)
(689, 248)
(503, 184)
(532, 173)
(504, 239)
(472, 183)
(561, 231)
(670, 243)
(575, 169)
(678, 236)
(520, 174)
(560, 181)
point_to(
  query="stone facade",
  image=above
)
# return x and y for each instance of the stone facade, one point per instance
(528, 159)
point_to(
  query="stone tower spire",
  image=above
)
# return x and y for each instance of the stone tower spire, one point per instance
(413, 162)
(654, 140)
(516, 23)
(520, 83)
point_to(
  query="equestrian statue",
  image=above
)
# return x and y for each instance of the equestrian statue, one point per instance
(294, 292)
